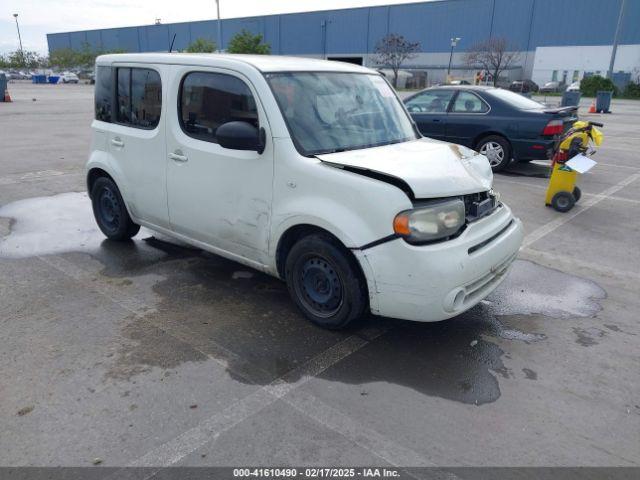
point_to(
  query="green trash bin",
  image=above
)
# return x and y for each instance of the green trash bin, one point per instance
(603, 101)
(570, 98)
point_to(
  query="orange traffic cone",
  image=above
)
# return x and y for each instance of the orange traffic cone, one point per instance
(592, 108)
(7, 97)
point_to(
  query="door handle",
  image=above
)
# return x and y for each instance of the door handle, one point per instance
(176, 157)
(116, 142)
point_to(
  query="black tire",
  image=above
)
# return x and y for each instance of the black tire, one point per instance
(110, 211)
(325, 282)
(577, 194)
(498, 151)
(563, 201)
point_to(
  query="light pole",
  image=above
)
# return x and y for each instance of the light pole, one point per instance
(454, 42)
(616, 37)
(219, 27)
(15, 15)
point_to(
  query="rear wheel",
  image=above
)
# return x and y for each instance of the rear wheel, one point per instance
(577, 193)
(497, 150)
(563, 201)
(110, 211)
(325, 282)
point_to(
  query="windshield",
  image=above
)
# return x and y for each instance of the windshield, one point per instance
(515, 99)
(330, 112)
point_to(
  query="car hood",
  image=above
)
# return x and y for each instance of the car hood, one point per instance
(431, 168)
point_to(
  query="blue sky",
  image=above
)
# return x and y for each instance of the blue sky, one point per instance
(39, 17)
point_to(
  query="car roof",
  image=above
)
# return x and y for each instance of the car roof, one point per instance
(463, 87)
(264, 63)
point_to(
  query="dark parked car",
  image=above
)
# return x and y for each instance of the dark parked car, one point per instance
(498, 123)
(524, 86)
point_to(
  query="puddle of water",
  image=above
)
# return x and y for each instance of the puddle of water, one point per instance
(218, 306)
(47, 225)
(533, 289)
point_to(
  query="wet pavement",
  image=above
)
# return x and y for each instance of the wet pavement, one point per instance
(153, 353)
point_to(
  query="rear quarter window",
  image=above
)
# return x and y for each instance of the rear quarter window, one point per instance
(139, 95)
(103, 94)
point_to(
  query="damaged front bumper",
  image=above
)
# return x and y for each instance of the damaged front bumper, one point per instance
(435, 282)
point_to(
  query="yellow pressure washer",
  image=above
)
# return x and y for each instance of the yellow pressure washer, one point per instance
(562, 192)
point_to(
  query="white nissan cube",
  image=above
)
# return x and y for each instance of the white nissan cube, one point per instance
(308, 170)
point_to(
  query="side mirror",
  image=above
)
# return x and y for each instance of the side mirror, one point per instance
(241, 136)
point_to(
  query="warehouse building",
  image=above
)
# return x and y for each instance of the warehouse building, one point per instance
(558, 40)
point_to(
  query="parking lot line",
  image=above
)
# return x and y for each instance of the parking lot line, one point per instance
(544, 187)
(549, 227)
(279, 389)
(356, 432)
(209, 429)
(13, 179)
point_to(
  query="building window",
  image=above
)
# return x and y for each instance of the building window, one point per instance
(103, 93)
(554, 76)
(139, 95)
(576, 76)
(208, 100)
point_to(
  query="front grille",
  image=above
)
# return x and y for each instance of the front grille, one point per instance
(478, 205)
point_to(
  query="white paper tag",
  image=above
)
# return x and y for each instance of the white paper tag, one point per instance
(580, 163)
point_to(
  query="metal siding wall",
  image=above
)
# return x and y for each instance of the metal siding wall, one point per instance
(553, 23)
(77, 40)
(630, 33)
(301, 33)
(433, 24)
(347, 31)
(565, 23)
(378, 23)
(183, 36)
(58, 41)
(206, 29)
(236, 25)
(512, 20)
(94, 39)
(157, 38)
(128, 39)
(110, 38)
(272, 33)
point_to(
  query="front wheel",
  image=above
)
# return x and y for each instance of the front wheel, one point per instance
(563, 201)
(497, 150)
(325, 282)
(110, 211)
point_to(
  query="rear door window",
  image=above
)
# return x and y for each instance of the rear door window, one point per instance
(430, 101)
(467, 102)
(139, 97)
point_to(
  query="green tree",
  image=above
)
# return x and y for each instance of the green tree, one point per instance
(85, 57)
(201, 45)
(589, 86)
(247, 42)
(63, 58)
(26, 59)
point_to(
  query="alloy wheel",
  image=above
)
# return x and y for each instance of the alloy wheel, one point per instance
(494, 153)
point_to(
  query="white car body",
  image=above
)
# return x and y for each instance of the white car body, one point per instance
(574, 87)
(69, 77)
(241, 204)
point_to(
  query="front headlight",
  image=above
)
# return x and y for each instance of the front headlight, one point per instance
(433, 222)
